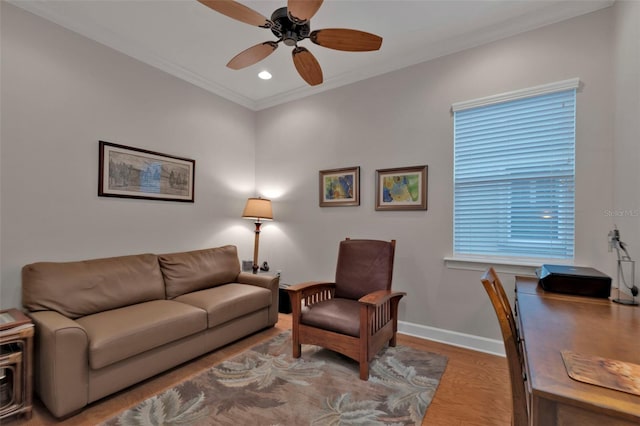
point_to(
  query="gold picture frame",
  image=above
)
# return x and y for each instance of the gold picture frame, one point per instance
(340, 187)
(402, 188)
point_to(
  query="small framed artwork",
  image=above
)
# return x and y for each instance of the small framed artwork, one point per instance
(138, 173)
(340, 187)
(403, 188)
(247, 265)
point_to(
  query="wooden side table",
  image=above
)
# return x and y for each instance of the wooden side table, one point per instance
(16, 364)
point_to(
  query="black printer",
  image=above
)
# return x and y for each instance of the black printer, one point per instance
(576, 280)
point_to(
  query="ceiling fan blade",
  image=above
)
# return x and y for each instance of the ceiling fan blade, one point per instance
(238, 11)
(307, 66)
(346, 39)
(301, 11)
(252, 55)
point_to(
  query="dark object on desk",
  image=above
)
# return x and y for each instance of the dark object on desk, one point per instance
(264, 267)
(577, 280)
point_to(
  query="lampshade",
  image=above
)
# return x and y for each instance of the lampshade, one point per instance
(257, 208)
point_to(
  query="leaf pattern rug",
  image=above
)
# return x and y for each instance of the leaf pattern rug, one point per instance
(266, 386)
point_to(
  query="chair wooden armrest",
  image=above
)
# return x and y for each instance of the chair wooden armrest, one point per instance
(379, 310)
(309, 287)
(379, 297)
(306, 294)
(310, 292)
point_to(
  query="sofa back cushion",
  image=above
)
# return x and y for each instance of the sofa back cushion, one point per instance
(76, 289)
(196, 270)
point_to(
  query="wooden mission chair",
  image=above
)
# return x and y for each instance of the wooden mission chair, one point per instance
(357, 315)
(517, 375)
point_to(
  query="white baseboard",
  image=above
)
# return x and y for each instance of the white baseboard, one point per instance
(454, 338)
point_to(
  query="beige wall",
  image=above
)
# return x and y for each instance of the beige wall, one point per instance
(61, 93)
(403, 119)
(625, 210)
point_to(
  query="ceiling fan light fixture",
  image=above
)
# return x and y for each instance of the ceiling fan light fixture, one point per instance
(290, 38)
(265, 75)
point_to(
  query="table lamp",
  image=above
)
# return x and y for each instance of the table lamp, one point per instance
(257, 209)
(614, 242)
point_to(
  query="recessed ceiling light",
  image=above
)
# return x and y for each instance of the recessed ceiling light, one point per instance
(265, 75)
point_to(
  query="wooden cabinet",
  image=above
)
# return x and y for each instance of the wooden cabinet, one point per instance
(16, 364)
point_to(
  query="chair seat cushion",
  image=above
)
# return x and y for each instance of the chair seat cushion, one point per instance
(228, 301)
(122, 333)
(339, 315)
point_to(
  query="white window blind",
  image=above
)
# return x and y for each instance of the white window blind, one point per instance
(514, 175)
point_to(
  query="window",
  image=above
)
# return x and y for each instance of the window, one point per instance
(514, 173)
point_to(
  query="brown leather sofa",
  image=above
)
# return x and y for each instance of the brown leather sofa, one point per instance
(105, 324)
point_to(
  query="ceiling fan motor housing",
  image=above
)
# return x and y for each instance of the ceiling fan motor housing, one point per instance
(286, 30)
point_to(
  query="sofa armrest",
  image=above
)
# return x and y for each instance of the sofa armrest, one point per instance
(61, 367)
(270, 282)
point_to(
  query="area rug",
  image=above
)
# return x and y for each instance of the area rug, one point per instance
(266, 386)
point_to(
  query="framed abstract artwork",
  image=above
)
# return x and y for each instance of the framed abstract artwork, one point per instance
(403, 188)
(340, 187)
(138, 173)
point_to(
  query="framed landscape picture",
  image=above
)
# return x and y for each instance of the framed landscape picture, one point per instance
(138, 173)
(340, 187)
(402, 188)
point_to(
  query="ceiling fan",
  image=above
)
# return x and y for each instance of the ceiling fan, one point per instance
(291, 24)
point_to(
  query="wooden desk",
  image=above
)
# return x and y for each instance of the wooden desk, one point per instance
(551, 322)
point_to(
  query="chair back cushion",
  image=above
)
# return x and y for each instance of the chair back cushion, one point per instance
(86, 287)
(364, 266)
(196, 270)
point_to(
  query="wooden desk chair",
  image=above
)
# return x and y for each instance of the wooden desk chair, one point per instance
(517, 375)
(357, 315)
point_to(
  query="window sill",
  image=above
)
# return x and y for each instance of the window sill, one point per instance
(516, 266)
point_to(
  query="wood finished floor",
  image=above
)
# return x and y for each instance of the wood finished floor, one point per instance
(474, 389)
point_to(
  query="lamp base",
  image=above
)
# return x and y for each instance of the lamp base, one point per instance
(256, 243)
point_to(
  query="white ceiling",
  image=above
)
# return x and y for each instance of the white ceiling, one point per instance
(194, 43)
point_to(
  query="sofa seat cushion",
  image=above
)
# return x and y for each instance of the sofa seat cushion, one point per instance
(339, 315)
(229, 301)
(122, 333)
